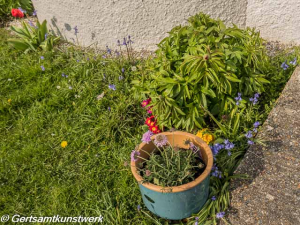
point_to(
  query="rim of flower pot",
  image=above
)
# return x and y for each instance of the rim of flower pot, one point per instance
(200, 143)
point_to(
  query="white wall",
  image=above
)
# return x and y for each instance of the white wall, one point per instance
(147, 21)
(276, 19)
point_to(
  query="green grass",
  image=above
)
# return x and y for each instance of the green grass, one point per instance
(37, 176)
(88, 177)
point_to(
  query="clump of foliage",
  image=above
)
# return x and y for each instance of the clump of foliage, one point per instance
(33, 37)
(204, 64)
(170, 166)
(7, 5)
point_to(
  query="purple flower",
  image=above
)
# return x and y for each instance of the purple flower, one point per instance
(216, 172)
(294, 62)
(112, 87)
(138, 207)
(213, 198)
(121, 78)
(117, 53)
(43, 68)
(76, 30)
(256, 124)
(108, 108)
(77, 60)
(284, 66)
(254, 130)
(46, 35)
(108, 50)
(64, 75)
(123, 70)
(31, 24)
(228, 145)
(197, 218)
(118, 43)
(124, 41)
(160, 140)
(34, 13)
(129, 40)
(134, 155)
(220, 215)
(147, 137)
(88, 59)
(42, 58)
(250, 142)
(104, 56)
(254, 100)
(249, 134)
(238, 98)
(216, 148)
(22, 10)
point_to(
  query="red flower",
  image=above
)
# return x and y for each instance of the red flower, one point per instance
(146, 102)
(17, 13)
(149, 120)
(155, 129)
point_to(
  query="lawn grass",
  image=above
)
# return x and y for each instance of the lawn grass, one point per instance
(88, 177)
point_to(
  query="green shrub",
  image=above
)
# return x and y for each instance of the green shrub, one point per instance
(7, 5)
(204, 64)
(33, 38)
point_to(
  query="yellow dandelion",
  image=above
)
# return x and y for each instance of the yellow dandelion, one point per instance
(64, 144)
(9, 100)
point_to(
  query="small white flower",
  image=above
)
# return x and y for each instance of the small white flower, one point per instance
(58, 87)
(70, 88)
(9, 79)
(133, 68)
(52, 134)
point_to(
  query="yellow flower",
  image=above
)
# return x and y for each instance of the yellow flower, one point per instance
(205, 135)
(9, 100)
(64, 144)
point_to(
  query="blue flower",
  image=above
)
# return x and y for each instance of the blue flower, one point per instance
(124, 41)
(254, 130)
(108, 50)
(294, 62)
(108, 108)
(284, 66)
(256, 124)
(112, 86)
(249, 134)
(121, 78)
(43, 68)
(216, 148)
(250, 142)
(77, 60)
(34, 13)
(228, 145)
(42, 57)
(22, 10)
(138, 207)
(46, 35)
(123, 70)
(64, 75)
(216, 172)
(229, 153)
(31, 24)
(129, 40)
(220, 215)
(76, 30)
(254, 100)
(213, 198)
(238, 98)
(117, 53)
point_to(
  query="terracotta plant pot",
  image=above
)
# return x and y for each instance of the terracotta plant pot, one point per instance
(176, 202)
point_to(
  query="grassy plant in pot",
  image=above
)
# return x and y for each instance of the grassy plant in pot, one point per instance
(172, 170)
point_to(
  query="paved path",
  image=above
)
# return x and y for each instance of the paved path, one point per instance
(272, 195)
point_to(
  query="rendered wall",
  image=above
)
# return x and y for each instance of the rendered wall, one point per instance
(276, 19)
(147, 21)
